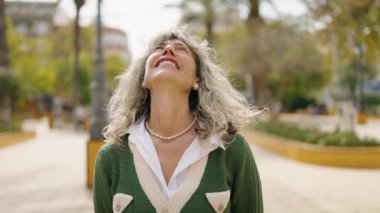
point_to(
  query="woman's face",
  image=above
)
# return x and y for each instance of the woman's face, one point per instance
(170, 63)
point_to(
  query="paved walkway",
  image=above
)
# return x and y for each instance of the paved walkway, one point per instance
(294, 187)
(48, 174)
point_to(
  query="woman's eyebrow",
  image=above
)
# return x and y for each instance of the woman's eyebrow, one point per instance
(160, 44)
(175, 43)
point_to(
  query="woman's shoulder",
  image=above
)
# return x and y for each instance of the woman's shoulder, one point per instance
(238, 153)
(112, 148)
(108, 147)
(237, 143)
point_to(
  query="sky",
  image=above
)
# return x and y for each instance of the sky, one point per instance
(142, 20)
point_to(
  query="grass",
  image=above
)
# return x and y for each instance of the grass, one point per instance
(6, 128)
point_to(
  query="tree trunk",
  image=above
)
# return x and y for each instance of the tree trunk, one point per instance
(98, 97)
(256, 67)
(209, 20)
(5, 100)
(4, 60)
(76, 75)
(254, 16)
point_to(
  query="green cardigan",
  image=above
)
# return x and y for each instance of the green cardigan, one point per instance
(232, 169)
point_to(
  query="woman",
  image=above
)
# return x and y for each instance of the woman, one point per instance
(172, 138)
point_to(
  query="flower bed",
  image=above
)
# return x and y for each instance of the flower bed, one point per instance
(314, 136)
(355, 157)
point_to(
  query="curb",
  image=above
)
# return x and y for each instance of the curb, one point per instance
(93, 147)
(356, 157)
(10, 138)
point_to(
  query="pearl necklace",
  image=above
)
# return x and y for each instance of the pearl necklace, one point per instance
(170, 137)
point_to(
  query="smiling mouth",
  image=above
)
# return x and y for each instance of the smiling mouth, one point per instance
(166, 61)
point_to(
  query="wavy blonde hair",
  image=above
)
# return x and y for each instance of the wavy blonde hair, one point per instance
(217, 106)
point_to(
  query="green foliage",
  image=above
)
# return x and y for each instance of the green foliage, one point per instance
(63, 57)
(372, 103)
(85, 78)
(114, 66)
(44, 65)
(372, 99)
(314, 136)
(10, 87)
(6, 128)
(349, 25)
(350, 77)
(31, 64)
(350, 35)
(278, 64)
(294, 99)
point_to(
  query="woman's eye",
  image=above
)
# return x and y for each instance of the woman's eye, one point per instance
(158, 48)
(181, 48)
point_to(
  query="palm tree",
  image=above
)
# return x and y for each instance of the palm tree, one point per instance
(207, 16)
(76, 75)
(98, 98)
(254, 13)
(256, 67)
(209, 19)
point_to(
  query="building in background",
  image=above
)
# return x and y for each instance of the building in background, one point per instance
(39, 17)
(115, 43)
(34, 18)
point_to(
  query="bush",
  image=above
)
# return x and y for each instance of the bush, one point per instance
(314, 136)
(372, 103)
(4, 128)
(294, 100)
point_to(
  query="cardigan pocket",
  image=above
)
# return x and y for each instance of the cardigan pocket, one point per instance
(120, 202)
(218, 200)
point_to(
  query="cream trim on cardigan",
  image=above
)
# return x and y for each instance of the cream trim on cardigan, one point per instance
(152, 190)
(195, 151)
(218, 200)
(120, 202)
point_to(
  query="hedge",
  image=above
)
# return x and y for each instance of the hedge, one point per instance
(314, 136)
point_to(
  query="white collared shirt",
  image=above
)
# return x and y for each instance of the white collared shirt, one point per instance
(196, 150)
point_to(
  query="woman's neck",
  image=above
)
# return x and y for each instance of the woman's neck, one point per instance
(169, 112)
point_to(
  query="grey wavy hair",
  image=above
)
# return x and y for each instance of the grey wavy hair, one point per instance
(217, 106)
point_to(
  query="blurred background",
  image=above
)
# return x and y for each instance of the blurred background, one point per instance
(314, 64)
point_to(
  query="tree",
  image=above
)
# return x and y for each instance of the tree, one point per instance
(349, 79)
(63, 57)
(114, 66)
(42, 66)
(206, 15)
(5, 76)
(289, 71)
(351, 37)
(255, 69)
(76, 76)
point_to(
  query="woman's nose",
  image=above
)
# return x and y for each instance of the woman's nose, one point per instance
(169, 49)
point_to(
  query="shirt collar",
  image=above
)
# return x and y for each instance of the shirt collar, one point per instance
(139, 136)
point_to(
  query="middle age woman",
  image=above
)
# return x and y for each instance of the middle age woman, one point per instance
(172, 141)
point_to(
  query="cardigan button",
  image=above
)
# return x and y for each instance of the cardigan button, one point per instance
(165, 210)
(220, 208)
(118, 207)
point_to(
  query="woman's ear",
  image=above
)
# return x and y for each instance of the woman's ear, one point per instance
(143, 85)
